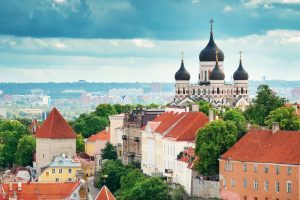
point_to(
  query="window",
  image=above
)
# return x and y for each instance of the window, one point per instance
(245, 167)
(245, 197)
(69, 171)
(53, 171)
(57, 180)
(245, 183)
(224, 182)
(232, 183)
(266, 186)
(288, 187)
(277, 186)
(69, 179)
(255, 168)
(277, 169)
(228, 166)
(266, 169)
(255, 186)
(60, 171)
(43, 155)
(289, 170)
(47, 173)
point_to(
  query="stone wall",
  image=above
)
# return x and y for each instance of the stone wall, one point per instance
(205, 189)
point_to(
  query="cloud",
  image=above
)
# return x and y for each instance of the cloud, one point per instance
(31, 59)
(227, 9)
(254, 3)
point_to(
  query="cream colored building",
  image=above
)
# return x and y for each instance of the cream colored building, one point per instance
(54, 137)
(116, 121)
(165, 137)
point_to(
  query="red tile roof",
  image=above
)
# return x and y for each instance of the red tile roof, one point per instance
(55, 126)
(186, 129)
(264, 147)
(105, 194)
(189, 157)
(167, 119)
(37, 190)
(101, 136)
(296, 106)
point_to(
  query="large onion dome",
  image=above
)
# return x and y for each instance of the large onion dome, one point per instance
(240, 73)
(208, 53)
(182, 73)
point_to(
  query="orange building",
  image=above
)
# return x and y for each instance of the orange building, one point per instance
(263, 165)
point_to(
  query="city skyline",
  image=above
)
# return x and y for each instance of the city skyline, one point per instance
(127, 41)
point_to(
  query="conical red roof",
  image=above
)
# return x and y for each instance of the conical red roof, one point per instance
(55, 126)
(105, 194)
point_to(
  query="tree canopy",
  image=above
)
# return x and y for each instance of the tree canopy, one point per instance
(204, 106)
(265, 101)
(214, 139)
(109, 152)
(25, 150)
(79, 143)
(105, 110)
(236, 116)
(286, 117)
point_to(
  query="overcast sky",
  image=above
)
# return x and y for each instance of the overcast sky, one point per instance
(141, 40)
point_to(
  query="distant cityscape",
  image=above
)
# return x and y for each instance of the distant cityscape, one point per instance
(35, 100)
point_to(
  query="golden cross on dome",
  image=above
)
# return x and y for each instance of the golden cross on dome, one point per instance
(240, 55)
(211, 21)
(217, 55)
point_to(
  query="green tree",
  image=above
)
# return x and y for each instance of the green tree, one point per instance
(179, 193)
(15, 126)
(204, 106)
(123, 108)
(9, 142)
(89, 124)
(105, 110)
(110, 175)
(286, 117)
(25, 150)
(128, 181)
(79, 143)
(109, 152)
(262, 105)
(236, 116)
(214, 139)
(150, 188)
(152, 105)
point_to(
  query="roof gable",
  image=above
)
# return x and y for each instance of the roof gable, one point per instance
(105, 194)
(55, 126)
(101, 136)
(265, 147)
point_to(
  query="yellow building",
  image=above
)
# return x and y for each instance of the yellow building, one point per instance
(97, 142)
(62, 169)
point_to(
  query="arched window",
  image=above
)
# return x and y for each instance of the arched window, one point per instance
(237, 90)
(204, 91)
(218, 91)
(193, 91)
(205, 76)
(183, 90)
(242, 90)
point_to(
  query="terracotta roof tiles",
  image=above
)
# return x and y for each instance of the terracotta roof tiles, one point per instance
(55, 126)
(105, 194)
(264, 147)
(101, 136)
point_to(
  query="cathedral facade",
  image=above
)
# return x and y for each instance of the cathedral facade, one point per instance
(211, 84)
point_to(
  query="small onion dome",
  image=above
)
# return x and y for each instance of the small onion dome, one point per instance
(208, 53)
(182, 73)
(217, 73)
(240, 73)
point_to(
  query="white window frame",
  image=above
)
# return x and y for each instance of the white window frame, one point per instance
(255, 185)
(266, 185)
(289, 187)
(245, 183)
(60, 171)
(277, 186)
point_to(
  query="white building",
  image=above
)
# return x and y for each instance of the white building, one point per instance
(211, 80)
(165, 137)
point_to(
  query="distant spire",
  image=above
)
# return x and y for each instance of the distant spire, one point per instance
(240, 55)
(211, 21)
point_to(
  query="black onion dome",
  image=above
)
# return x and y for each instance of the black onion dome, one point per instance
(182, 73)
(240, 73)
(217, 73)
(209, 52)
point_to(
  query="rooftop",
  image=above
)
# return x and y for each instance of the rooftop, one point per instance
(62, 161)
(55, 126)
(105, 194)
(101, 136)
(262, 146)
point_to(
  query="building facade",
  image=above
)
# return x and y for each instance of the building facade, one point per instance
(54, 137)
(134, 122)
(97, 142)
(264, 164)
(211, 84)
(62, 169)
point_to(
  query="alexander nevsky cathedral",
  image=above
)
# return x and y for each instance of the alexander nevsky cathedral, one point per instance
(211, 84)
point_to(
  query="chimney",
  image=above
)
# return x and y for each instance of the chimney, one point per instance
(19, 186)
(10, 186)
(275, 127)
(211, 115)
